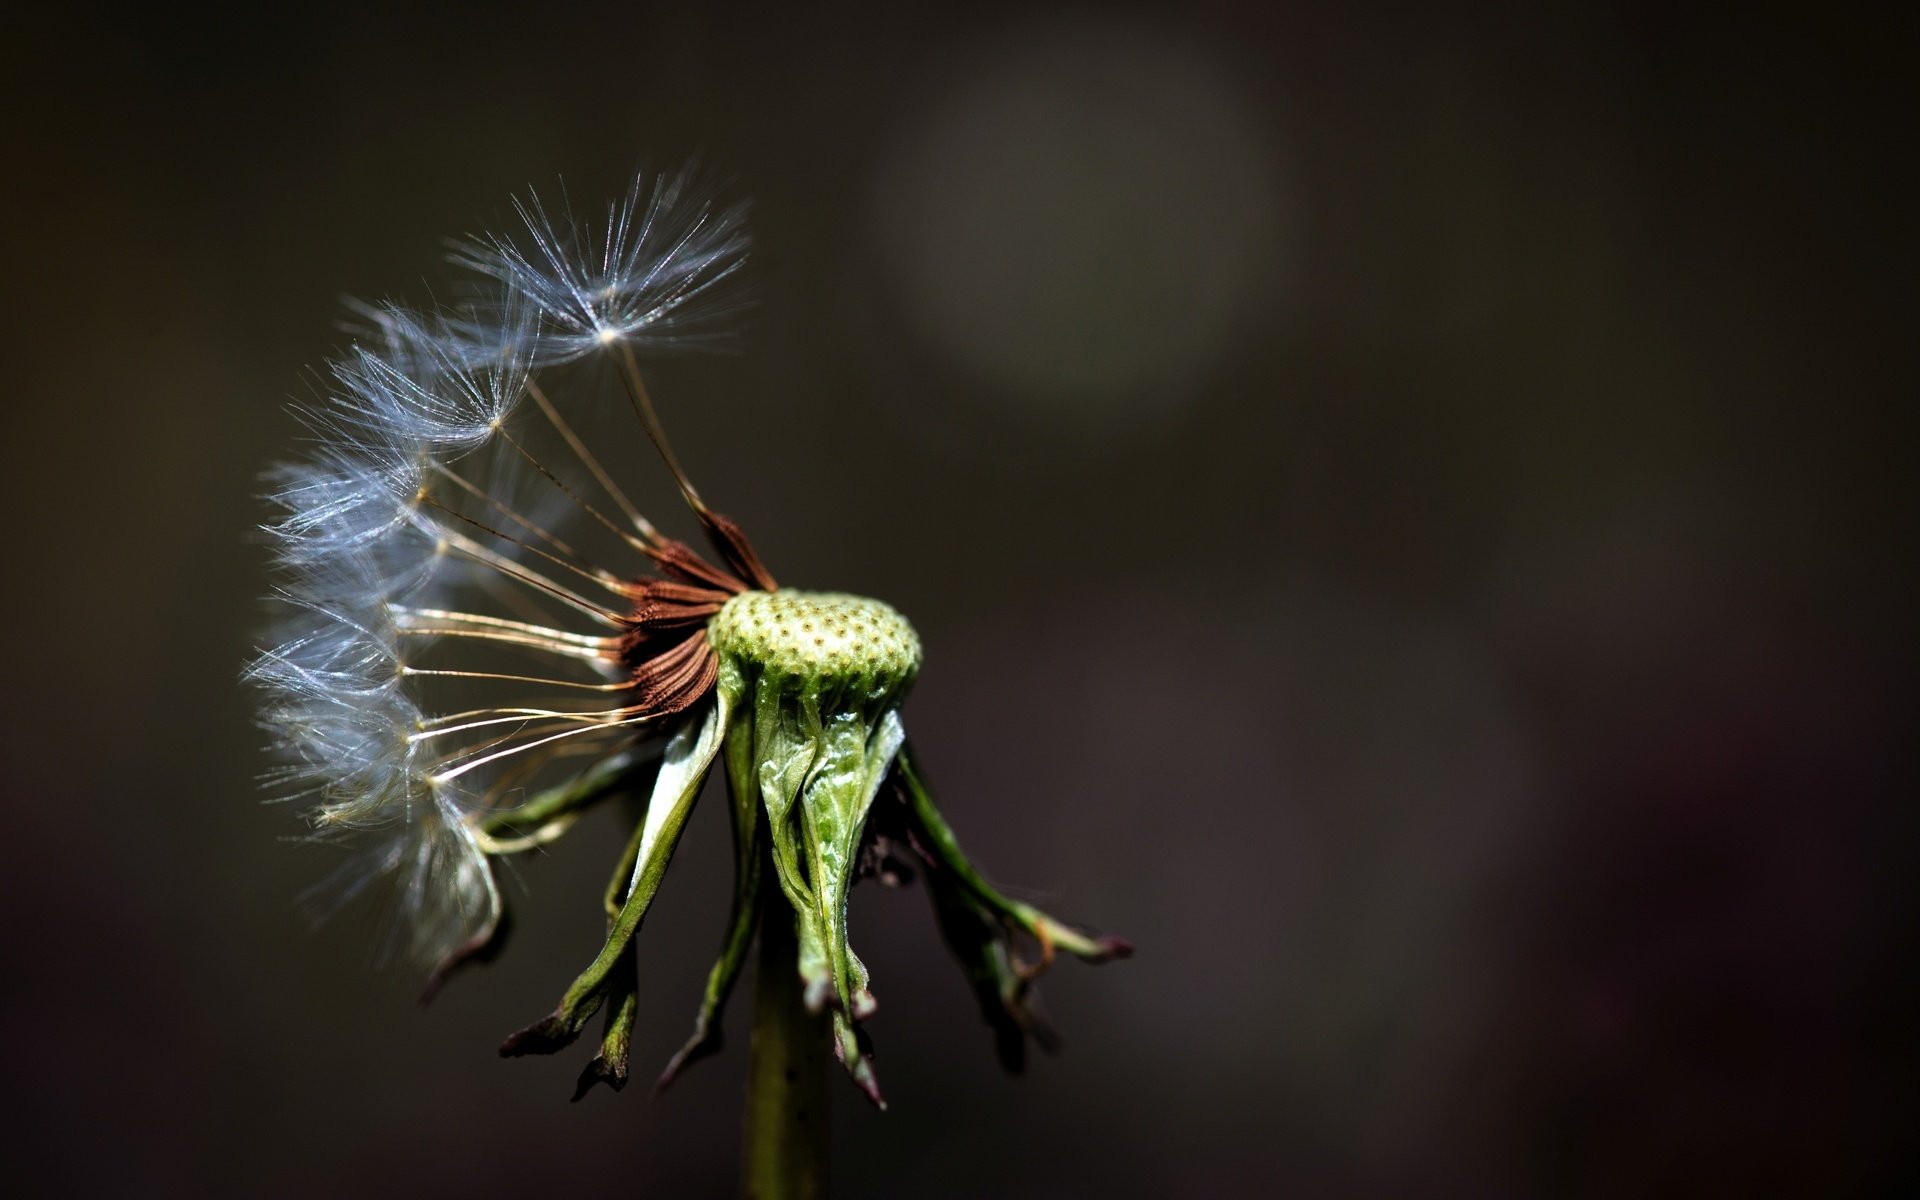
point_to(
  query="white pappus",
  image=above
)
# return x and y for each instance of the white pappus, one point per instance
(395, 516)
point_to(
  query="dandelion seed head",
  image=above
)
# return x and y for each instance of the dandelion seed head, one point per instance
(355, 533)
(432, 394)
(439, 893)
(402, 515)
(411, 570)
(332, 695)
(655, 273)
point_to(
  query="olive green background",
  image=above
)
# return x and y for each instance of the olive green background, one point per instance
(1403, 505)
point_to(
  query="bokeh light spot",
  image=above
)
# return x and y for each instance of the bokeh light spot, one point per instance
(1080, 217)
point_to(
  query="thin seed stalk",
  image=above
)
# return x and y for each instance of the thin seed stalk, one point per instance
(787, 1133)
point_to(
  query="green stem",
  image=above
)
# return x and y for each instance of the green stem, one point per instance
(786, 1144)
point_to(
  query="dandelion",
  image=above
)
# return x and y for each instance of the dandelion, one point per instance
(480, 638)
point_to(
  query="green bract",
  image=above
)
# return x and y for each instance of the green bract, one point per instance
(806, 716)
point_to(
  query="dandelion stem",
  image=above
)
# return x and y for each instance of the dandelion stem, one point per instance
(478, 493)
(617, 686)
(784, 1156)
(569, 493)
(580, 451)
(650, 420)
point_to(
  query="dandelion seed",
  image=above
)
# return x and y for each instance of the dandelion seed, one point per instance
(652, 274)
(454, 679)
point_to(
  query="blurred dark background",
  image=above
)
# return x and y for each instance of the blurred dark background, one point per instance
(1404, 506)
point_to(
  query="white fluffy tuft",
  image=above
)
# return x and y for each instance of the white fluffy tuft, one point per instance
(651, 275)
(405, 506)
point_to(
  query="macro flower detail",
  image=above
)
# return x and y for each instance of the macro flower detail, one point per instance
(479, 637)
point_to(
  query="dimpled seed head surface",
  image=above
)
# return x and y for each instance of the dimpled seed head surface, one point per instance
(820, 634)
